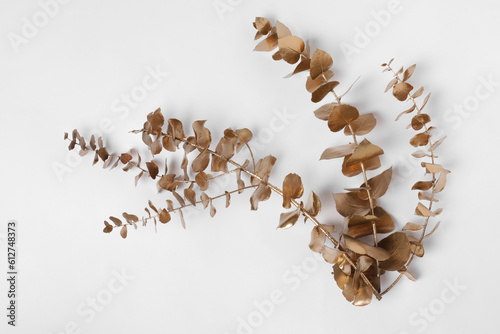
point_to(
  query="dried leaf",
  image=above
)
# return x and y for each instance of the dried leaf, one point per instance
(201, 181)
(362, 125)
(288, 219)
(108, 228)
(152, 169)
(130, 218)
(190, 196)
(362, 248)
(422, 210)
(304, 65)
(409, 71)
(423, 196)
(262, 193)
(320, 93)
(179, 198)
(438, 142)
(364, 263)
(317, 240)
(282, 30)
(292, 189)
(420, 139)
(331, 255)
(391, 84)
(337, 152)
(418, 93)
(341, 116)
(263, 169)
(441, 182)
(202, 135)
(323, 112)
(205, 200)
(418, 121)
(420, 154)
(406, 112)
(349, 204)
(422, 185)
(401, 91)
(200, 163)
(164, 216)
(321, 62)
(364, 151)
(360, 226)
(398, 246)
(168, 182)
(290, 48)
(312, 85)
(156, 120)
(268, 44)
(379, 184)
(433, 230)
(426, 99)
(116, 221)
(432, 168)
(363, 296)
(355, 169)
(263, 25)
(138, 177)
(103, 153)
(213, 211)
(123, 231)
(412, 227)
(244, 136)
(228, 199)
(313, 205)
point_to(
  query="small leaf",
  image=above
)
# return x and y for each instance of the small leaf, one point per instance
(420, 139)
(412, 227)
(351, 170)
(341, 116)
(321, 62)
(313, 205)
(116, 221)
(418, 121)
(290, 48)
(190, 196)
(441, 182)
(401, 91)
(364, 151)
(398, 246)
(213, 211)
(422, 210)
(320, 93)
(337, 152)
(263, 25)
(262, 193)
(288, 219)
(312, 85)
(268, 44)
(263, 168)
(130, 218)
(123, 231)
(361, 126)
(201, 181)
(349, 204)
(108, 227)
(292, 189)
(331, 255)
(317, 240)
(409, 71)
(205, 200)
(152, 169)
(323, 112)
(282, 30)
(422, 185)
(164, 216)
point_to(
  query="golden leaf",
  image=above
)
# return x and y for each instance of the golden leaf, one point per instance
(244, 136)
(398, 246)
(331, 255)
(123, 231)
(292, 189)
(323, 112)
(422, 210)
(288, 219)
(349, 204)
(200, 163)
(268, 44)
(418, 121)
(320, 93)
(362, 248)
(201, 181)
(263, 25)
(364, 151)
(304, 65)
(313, 205)
(290, 48)
(441, 182)
(156, 120)
(205, 200)
(364, 263)
(317, 240)
(262, 193)
(422, 185)
(432, 168)
(152, 169)
(202, 134)
(342, 115)
(363, 296)
(360, 226)
(321, 62)
(164, 216)
(190, 196)
(282, 30)
(362, 125)
(420, 139)
(355, 169)
(401, 91)
(312, 85)
(168, 182)
(409, 71)
(412, 227)
(263, 169)
(337, 152)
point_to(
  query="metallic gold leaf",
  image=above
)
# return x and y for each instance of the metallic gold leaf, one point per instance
(262, 193)
(317, 240)
(337, 152)
(282, 30)
(407, 274)
(341, 116)
(268, 44)
(244, 136)
(292, 189)
(263, 168)
(323, 112)
(202, 134)
(288, 219)
(422, 210)
(406, 112)
(409, 71)
(363, 263)
(360, 226)
(422, 185)
(349, 204)
(398, 246)
(263, 25)
(321, 62)
(362, 248)
(290, 48)
(355, 169)
(304, 65)
(362, 125)
(320, 93)
(364, 151)
(313, 205)
(331, 255)
(418, 121)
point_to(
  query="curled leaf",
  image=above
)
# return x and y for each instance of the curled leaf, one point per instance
(292, 189)
(288, 219)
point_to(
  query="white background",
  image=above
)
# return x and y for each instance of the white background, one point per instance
(74, 70)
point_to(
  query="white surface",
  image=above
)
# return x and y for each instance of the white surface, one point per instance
(203, 280)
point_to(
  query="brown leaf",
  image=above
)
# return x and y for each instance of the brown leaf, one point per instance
(213, 211)
(138, 177)
(362, 248)
(409, 71)
(317, 240)
(152, 169)
(116, 221)
(263, 168)
(331, 255)
(304, 65)
(425, 197)
(398, 246)
(268, 44)
(125, 158)
(349, 204)
(130, 218)
(282, 30)
(292, 189)
(364, 151)
(406, 112)
(169, 143)
(103, 153)
(360, 226)
(355, 169)
(201, 181)
(412, 227)
(262, 193)
(321, 62)
(418, 121)
(401, 91)
(422, 185)
(438, 142)
(313, 205)
(341, 116)
(164, 216)
(320, 93)
(432, 168)
(244, 136)
(288, 219)
(168, 182)
(407, 274)
(426, 99)
(108, 228)
(312, 85)
(391, 84)
(123, 231)
(363, 263)
(363, 296)
(420, 139)
(361, 126)
(200, 163)
(190, 196)
(323, 112)
(423, 211)
(290, 48)
(175, 129)
(263, 25)
(156, 120)
(205, 200)
(379, 184)
(337, 152)
(202, 134)
(441, 182)
(228, 199)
